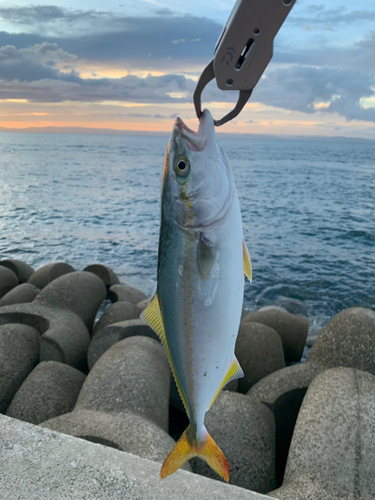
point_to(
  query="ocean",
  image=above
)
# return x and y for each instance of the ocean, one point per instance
(308, 211)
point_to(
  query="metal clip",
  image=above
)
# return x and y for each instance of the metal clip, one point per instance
(243, 50)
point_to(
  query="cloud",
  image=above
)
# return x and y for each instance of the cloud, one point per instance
(303, 88)
(107, 36)
(320, 17)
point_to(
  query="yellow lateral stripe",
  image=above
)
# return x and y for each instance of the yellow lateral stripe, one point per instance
(246, 261)
(235, 371)
(152, 316)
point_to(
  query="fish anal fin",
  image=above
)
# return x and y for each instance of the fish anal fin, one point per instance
(235, 371)
(153, 318)
(246, 261)
(186, 448)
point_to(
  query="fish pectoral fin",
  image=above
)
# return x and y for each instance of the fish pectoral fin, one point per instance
(246, 261)
(153, 318)
(205, 260)
(235, 371)
(184, 450)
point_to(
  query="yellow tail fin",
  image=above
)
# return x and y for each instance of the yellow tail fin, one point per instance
(184, 450)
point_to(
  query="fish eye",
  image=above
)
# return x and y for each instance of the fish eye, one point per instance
(182, 166)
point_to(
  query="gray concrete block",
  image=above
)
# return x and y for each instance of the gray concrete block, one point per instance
(50, 390)
(133, 375)
(119, 311)
(65, 338)
(127, 293)
(348, 339)
(292, 329)
(48, 273)
(245, 431)
(8, 280)
(20, 294)
(79, 292)
(283, 392)
(106, 274)
(332, 453)
(19, 354)
(125, 431)
(259, 351)
(38, 464)
(111, 334)
(22, 270)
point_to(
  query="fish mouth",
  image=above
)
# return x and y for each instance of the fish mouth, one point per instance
(195, 141)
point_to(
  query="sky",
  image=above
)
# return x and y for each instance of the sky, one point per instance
(134, 64)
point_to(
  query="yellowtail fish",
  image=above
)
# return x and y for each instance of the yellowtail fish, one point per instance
(196, 310)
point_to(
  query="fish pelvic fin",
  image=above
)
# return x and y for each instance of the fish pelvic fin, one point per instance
(188, 447)
(153, 318)
(246, 262)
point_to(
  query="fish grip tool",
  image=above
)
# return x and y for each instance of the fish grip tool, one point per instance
(243, 50)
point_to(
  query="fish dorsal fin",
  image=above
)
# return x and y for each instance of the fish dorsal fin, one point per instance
(234, 372)
(246, 261)
(153, 318)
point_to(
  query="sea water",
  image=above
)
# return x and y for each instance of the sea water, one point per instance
(308, 210)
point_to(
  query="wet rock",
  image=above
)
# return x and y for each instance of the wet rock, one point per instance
(121, 293)
(20, 294)
(282, 392)
(19, 354)
(50, 390)
(292, 329)
(22, 270)
(79, 292)
(124, 400)
(332, 452)
(120, 311)
(259, 351)
(48, 273)
(8, 280)
(111, 334)
(106, 274)
(348, 339)
(245, 432)
(65, 337)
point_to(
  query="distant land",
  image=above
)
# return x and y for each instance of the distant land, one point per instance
(108, 131)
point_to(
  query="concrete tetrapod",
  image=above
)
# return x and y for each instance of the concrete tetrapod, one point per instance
(348, 339)
(20, 294)
(332, 453)
(259, 351)
(8, 280)
(48, 273)
(120, 311)
(245, 432)
(291, 328)
(124, 401)
(79, 292)
(106, 274)
(111, 334)
(50, 390)
(22, 270)
(127, 293)
(65, 338)
(19, 354)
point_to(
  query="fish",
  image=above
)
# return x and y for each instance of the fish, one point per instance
(202, 260)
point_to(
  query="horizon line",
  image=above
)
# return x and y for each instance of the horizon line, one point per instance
(110, 131)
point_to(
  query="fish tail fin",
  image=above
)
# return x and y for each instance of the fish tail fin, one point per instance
(186, 448)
